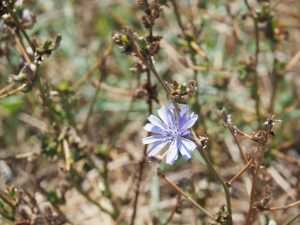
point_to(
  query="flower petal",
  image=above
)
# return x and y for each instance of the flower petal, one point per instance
(172, 153)
(186, 147)
(156, 148)
(186, 133)
(157, 122)
(183, 111)
(154, 138)
(162, 112)
(152, 128)
(171, 116)
(188, 144)
(188, 123)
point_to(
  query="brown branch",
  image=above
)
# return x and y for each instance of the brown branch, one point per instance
(181, 192)
(18, 89)
(7, 88)
(275, 208)
(143, 161)
(21, 46)
(240, 172)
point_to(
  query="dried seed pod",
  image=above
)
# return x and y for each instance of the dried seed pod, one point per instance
(260, 137)
(144, 4)
(147, 22)
(26, 74)
(154, 48)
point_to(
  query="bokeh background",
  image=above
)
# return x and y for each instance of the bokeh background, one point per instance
(97, 98)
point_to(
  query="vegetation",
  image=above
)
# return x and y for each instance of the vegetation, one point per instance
(78, 80)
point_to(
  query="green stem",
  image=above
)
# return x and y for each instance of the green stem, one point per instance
(257, 49)
(255, 84)
(151, 67)
(293, 219)
(102, 75)
(217, 175)
(46, 100)
(19, 25)
(177, 15)
(78, 187)
(209, 164)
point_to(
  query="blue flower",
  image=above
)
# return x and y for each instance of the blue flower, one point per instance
(171, 129)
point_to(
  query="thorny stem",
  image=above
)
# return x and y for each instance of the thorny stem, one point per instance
(181, 192)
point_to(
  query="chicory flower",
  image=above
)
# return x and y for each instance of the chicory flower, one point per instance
(171, 129)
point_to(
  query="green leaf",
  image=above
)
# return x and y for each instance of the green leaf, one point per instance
(12, 104)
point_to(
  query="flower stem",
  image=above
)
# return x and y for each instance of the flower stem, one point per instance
(209, 164)
(217, 175)
(151, 67)
(19, 25)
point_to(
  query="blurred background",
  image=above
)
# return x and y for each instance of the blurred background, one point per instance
(82, 167)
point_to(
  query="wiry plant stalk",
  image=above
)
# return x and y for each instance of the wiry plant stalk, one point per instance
(181, 192)
(144, 158)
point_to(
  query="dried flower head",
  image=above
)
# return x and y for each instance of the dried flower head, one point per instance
(182, 92)
(26, 74)
(171, 129)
